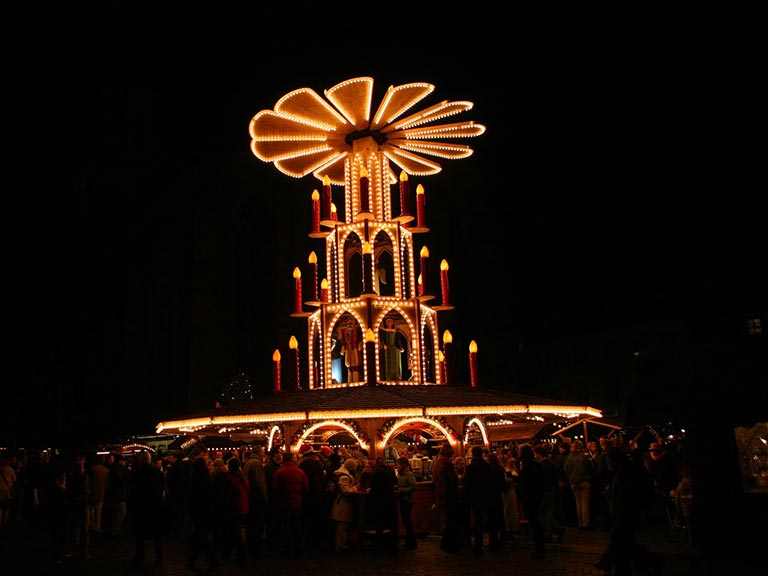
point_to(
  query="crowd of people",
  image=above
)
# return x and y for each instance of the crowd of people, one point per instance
(229, 506)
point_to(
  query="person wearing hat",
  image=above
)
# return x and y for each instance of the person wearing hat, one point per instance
(664, 470)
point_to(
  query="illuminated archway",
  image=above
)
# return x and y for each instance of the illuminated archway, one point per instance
(308, 429)
(475, 424)
(396, 426)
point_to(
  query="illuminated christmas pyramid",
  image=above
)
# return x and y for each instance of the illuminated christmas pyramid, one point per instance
(373, 321)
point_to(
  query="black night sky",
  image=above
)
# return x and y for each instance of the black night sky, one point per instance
(153, 252)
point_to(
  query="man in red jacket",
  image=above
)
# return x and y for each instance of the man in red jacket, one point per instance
(289, 486)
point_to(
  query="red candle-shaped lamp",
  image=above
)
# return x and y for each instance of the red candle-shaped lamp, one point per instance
(420, 285)
(276, 371)
(315, 211)
(424, 267)
(313, 274)
(324, 290)
(444, 282)
(334, 213)
(298, 307)
(326, 200)
(448, 353)
(364, 196)
(293, 344)
(405, 194)
(421, 203)
(370, 356)
(441, 365)
(473, 363)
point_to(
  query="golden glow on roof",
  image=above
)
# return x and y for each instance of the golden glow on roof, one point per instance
(304, 134)
(370, 413)
(528, 411)
(567, 411)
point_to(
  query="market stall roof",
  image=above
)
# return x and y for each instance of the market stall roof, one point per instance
(394, 401)
(584, 425)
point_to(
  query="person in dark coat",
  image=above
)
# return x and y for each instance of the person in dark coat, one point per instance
(177, 480)
(482, 493)
(271, 465)
(257, 501)
(628, 494)
(79, 493)
(235, 513)
(201, 514)
(381, 505)
(447, 502)
(146, 506)
(531, 492)
(59, 515)
(314, 517)
(406, 486)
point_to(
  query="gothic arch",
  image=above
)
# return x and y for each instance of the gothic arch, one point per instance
(383, 251)
(353, 266)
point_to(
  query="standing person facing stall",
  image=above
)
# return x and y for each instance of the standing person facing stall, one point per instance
(628, 494)
(146, 506)
(290, 486)
(201, 504)
(313, 505)
(257, 501)
(446, 483)
(382, 506)
(531, 490)
(406, 486)
(580, 471)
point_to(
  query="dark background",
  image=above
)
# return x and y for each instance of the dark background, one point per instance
(151, 253)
